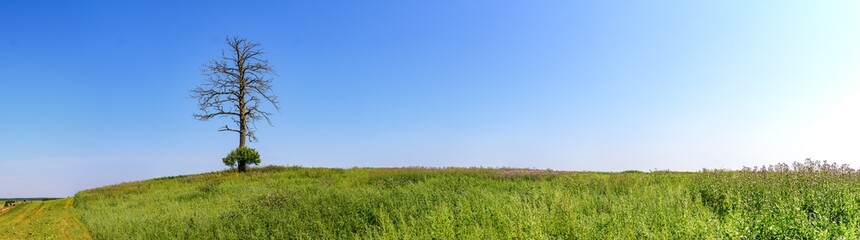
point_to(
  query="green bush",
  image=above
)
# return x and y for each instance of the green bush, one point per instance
(242, 156)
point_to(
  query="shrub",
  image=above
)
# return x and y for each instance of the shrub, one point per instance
(242, 156)
(807, 166)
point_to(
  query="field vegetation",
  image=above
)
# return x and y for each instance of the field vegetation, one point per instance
(54, 219)
(810, 200)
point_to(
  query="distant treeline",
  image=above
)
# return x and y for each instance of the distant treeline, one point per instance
(26, 199)
(11, 202)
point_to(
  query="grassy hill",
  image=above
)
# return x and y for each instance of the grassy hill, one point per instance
(458, 203)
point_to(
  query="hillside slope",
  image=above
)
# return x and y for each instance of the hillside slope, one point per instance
(55, 219)
(455, 203)
(320, 203)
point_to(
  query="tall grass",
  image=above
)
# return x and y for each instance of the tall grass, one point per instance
(457, 203)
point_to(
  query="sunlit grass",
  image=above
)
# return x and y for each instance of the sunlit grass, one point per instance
(53, 219)
(457, 203)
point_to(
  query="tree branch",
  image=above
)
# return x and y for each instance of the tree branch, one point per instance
(234, 86)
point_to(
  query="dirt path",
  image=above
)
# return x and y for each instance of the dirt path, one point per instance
(55, 219)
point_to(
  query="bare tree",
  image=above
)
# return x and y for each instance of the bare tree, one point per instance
(235, 86)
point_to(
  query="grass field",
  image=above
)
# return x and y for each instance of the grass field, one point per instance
(455, 203)
(320, 203)
(55, 219)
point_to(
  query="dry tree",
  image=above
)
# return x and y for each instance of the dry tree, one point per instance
(236, 85)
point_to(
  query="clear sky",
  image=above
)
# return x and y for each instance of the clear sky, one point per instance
(96, 93)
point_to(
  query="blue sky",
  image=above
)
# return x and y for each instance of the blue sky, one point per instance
(97, 93)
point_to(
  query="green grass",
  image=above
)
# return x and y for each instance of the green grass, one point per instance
(454, 203)
(417, 203)
(54, 219)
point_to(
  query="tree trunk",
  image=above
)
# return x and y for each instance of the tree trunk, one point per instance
(243, 124)
(242, 164)
(242, 139)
